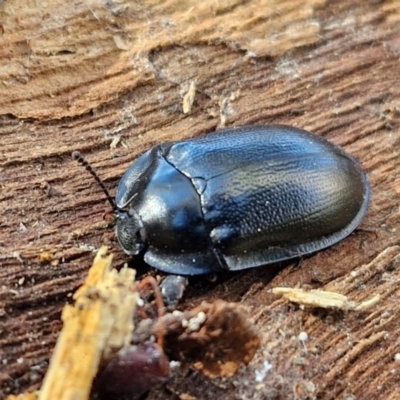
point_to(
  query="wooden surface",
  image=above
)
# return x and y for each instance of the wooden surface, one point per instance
(109, 78)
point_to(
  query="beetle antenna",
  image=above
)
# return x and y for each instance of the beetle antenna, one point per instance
(79, 157)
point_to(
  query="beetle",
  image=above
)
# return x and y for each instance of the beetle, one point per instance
(238, 198)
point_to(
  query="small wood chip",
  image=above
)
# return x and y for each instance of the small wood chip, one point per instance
(188, 99)
(323, 299)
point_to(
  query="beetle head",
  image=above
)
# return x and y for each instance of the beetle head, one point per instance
(129, 228)
(130, 232)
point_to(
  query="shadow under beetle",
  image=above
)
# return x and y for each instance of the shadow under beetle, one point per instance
(238, 198)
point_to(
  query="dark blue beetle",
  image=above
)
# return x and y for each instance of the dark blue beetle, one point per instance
(238, 198)
(234, 199)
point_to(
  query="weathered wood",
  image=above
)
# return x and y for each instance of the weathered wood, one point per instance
(108, 79)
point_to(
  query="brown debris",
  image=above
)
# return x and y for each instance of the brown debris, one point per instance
(95, 328)
(217, 337)
(227, 339)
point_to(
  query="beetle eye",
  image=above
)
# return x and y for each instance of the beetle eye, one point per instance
(131, 235)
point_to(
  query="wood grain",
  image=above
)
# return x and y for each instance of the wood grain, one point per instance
(108, 79)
